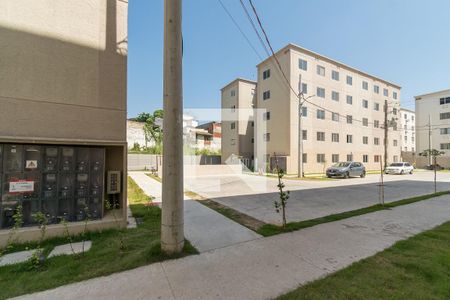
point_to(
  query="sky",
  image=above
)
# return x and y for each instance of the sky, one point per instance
(406, 42)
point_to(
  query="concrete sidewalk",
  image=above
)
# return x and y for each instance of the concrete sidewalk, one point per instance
(266, 267)
(205, 228)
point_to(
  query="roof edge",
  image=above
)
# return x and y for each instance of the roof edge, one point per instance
(237, 80)
(433, 93)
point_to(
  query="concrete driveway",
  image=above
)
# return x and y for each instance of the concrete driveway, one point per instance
(255, 195)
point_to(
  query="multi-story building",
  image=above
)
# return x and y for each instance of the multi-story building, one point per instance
(62, 113)
(433, 121)
(407, 127)
(209, 136)
(342, 119)
(238, 99)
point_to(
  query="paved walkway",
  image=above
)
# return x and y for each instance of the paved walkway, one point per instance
(204, 228)
(266, 267)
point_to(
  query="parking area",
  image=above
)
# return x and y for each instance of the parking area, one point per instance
(255, 195)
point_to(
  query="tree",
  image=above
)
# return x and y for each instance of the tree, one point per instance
(433, 153)
(142, 117)
(152, 129)
(280, 205)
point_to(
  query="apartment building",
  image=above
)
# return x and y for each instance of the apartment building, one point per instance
(62, 113)
(407, 127)
(433, 111)
(209, 136)
(238, 100)
(342, 120)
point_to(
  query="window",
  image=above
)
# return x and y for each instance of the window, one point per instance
(395, 143)
(266, 116)
(365, 103)
(303, 64)
(394, 95)
(376, 89)
(349, 157)
(386, 92)
(445, 146)
(412, 118)
(266, 95)
(349, 138)
(349, 80)
(365, 140)
(304, 135)
(377, 158)
(394, 111)
(335, 75)
(365, 85)
(320, 92)
(412, 139)
(405, 116)
(444, 100)
(321, 136)
(233, 125)
(406, 138)
(335, 158)
(405, 127)
(335, 117)
(335, 137)
(233, 108)
(320, 70)
(376, 141)
(304, 88)
(335, 96)
(365, 122)
(412, 149)
(320, 158)
(445, 115)
(253, 140)
(376, 106)
(349, 99)
(376, 123)
(445, 130)
(365, 158)
(305, 158)
(266, 74)
(321, 114)
(233, 93)
(266, 137)
(304, 111)
(349, 119)
(406, 148)
(253, 124)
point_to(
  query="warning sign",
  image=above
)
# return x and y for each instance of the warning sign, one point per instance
(31, 164)
(21, 186)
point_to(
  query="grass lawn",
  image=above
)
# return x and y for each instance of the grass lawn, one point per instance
(417, 268)
(270, 229)
(142, 247)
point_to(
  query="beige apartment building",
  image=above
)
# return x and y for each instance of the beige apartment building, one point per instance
(238, 100)
(433, 121)
(63, 88)
(407, 127)
(342, 119)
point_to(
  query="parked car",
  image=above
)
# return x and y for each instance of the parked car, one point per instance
(400, 168)
(346, 169)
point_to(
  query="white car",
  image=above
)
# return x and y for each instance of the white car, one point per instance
(400, 168)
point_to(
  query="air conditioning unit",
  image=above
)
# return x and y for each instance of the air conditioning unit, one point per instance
(113, 182)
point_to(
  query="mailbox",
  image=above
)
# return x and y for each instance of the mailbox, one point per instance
(67, 159)
(83, 160)
(32, 158)
(12, 158)
(51, 159)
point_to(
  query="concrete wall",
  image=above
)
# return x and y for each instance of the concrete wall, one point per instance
(63, 75)
(137, 162)
(422, 161)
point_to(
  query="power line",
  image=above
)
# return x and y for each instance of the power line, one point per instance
(240, 29)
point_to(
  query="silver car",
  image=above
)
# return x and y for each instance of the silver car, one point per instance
(347, 169)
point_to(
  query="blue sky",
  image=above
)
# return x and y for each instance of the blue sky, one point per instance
(403, 41)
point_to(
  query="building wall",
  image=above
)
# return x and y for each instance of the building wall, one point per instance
(283, 107)
(428, 112)
(64, 75)
(408, 130)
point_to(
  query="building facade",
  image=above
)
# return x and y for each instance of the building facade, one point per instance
(238, 100)
(407, 127)
(342, 119)
(209, 136)
(63, 111)
(433, 121)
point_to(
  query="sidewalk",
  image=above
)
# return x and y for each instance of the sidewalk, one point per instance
(205, 228)
(267, 267)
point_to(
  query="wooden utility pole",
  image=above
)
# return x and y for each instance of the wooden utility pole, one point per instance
(172, 219)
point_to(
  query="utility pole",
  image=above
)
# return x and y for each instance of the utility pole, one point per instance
(385, 133)
(172, 219)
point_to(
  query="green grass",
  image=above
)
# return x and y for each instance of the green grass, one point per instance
(142, 247)
(270, 229)
(417, 268)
